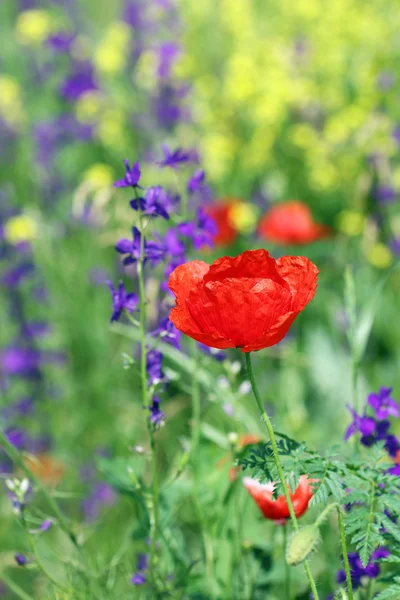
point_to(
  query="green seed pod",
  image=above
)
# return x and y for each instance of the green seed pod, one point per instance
(302, 543)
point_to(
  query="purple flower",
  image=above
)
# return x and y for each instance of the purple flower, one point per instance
(17, 437)
(157, 417)
(101, 495)
(154, 360)
(121, 301)
(392, 445)
(142, 562)
(19, 361)
(175, 158)
(35, 329)
(385, 194)
(201, 232)
(61, 41)
(154, 204)
(80, 81)
(152, 250)
(21, 559)
(138, 579)
(168, 333)
(383, 404)
(196, 181)
(365, 425)
(358, 572)
(132, 176)
(14, 276)
(168, 53)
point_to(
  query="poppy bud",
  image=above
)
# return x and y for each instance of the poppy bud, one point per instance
(302, 544)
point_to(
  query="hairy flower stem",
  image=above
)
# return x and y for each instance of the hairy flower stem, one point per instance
(278, 464)
(343, 543)
(19, 461)
(154, 505)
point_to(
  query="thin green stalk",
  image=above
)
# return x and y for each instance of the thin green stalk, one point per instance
(195, 435)
(18, 460)
(278, 464)
(15, 587)
(287, 567)
(154, 508)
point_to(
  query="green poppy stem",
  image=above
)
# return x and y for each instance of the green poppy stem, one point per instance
(278, 464)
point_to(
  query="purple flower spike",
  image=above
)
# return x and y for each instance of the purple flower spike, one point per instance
(154, 204)
(175, 158)
(138, 579)
(132, 176)
(46, 525)
(121, 301)
(383, 404)
(168, 333)
(152, 250)
(201, 232)
(154, 370)
(196, 182)
(365, 425)
(157, 417)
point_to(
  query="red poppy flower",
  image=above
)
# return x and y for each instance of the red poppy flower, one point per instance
(246, 302)
(277, 509)
(291, 223)
(226, 231)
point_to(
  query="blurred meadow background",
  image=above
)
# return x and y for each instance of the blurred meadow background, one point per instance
(277, 102)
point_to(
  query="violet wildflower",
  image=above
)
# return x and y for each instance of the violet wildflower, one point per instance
(61, 42)
(138, 579)
(21, 559)
(80, 81)
(154, 204)
(365, 425)
(132, 176)
(121, 301)
(157, 416)
(167, 331)
(383, 404)
(154, 370)
(168, 53)
(196, 181)
(152, 250)
(175, 158)
(385, 194)
(358, 571)
(201, 232)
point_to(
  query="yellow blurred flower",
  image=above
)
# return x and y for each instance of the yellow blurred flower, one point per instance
(99, 176)
(111, 55)
(111, 128)
(33, 26)
(89, 106)
(10, 100)
(244, 216)
(379, 256)
(21, 228)
(350, 222)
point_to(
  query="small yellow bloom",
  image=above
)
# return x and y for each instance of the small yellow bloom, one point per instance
(21, 228)
(99, 175)
(379, 256)
(33, 26)
(351, 222)
(88, 107)
(243, 216)
(111, 128)
(10, 100)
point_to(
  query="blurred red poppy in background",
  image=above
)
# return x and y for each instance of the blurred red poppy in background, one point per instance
(246, 302)
(46, 468)
(276, 509)
(291, 223)
(221, 213)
